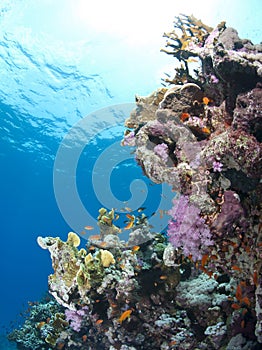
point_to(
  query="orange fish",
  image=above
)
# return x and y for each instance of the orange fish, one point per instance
(131, 217)
(114, 305)
(206, 100)
(236, 268)
(99, 321)
(205, 130)
(242, 324)
(163, 277)
(204, 260)
(136, 248)
(209, 273)
(84, 338)
(235, 306)
(89, 228)
(40, 324)
(184, 116)
(95, 237)
(246, 301)
(239, 292)
(129, 225)
(173, 342)
(127, 209)
(126, 314)
(60, 346)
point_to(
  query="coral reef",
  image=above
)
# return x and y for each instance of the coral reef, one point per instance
(196, 285)
(43, 328)
(210, 124)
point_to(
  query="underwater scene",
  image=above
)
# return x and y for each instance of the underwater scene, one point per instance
(131, 165)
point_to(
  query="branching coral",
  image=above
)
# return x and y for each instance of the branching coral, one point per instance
(187, 31)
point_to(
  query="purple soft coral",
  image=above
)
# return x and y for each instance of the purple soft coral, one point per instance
(76, 317)
(217, 166)
(129, 139)
(187, 230)
(162, 151)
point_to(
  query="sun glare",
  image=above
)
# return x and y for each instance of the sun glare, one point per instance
(119, 18)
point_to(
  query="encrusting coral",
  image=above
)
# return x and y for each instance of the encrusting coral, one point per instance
(196, 284)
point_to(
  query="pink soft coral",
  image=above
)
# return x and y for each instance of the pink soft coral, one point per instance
(187, 229)
(75, 317)
(162, 151)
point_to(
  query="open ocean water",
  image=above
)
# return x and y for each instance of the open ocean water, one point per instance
(60, 62)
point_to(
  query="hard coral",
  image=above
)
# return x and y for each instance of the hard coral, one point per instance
(248, 112)
(231, 215)
(106, 257)
(75, 272)
(190, 29)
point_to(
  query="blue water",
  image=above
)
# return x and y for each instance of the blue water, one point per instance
(55, 71)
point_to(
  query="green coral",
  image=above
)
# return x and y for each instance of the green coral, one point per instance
(57, 325)
(159, 245)
(105, 223)
(106, 217)
(45, 318)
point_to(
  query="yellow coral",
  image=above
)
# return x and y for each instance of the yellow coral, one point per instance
(73, 239)
(82, 281)
(102, 211)
(187, 31)
(107, 258)
(82, 252)
(88, 258)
